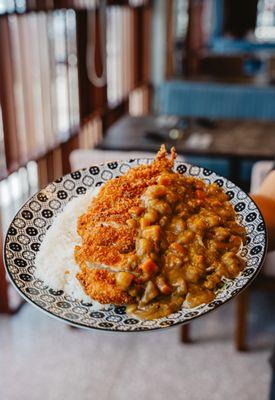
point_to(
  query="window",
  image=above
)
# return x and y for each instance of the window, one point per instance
(265, 29)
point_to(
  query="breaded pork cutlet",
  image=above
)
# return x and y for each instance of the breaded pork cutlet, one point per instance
(108, 236)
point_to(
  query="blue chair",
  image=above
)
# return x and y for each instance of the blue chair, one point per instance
(216, 100)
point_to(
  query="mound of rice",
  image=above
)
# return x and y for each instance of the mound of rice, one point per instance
(55, 263)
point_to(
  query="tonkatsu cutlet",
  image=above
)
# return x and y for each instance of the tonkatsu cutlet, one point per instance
(108, 232)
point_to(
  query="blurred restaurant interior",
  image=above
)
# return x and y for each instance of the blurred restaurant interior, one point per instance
(84, 81)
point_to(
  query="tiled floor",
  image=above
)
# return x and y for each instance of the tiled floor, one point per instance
(41, 358)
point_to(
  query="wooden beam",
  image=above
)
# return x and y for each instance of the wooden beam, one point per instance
(169, 70)
(146, 43)
(7, 98)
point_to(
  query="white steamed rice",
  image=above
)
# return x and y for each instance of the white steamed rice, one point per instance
(56, 254)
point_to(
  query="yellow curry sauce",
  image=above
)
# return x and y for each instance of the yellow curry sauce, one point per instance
(187, 241)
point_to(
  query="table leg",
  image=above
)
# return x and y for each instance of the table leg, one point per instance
(235, 170)
(185, 333)
(5, 307)
(4, 300)
(241, 320)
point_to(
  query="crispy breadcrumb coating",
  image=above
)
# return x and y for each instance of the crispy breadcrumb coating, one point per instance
(106, 237)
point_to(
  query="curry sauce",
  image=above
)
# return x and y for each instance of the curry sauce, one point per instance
(188, 241)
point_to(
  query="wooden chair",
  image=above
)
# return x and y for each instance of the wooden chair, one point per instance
(265, 282)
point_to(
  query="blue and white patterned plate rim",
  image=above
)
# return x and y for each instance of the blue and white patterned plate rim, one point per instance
(29, 225)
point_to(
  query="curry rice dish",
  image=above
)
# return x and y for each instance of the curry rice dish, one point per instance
(153, 239)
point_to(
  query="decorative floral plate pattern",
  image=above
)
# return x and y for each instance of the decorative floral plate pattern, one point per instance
(29, 226)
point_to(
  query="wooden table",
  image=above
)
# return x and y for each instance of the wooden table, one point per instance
(234, 140)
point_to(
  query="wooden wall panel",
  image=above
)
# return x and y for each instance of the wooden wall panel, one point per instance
(7, 98)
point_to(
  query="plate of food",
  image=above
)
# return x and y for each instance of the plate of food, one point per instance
(135, 245)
